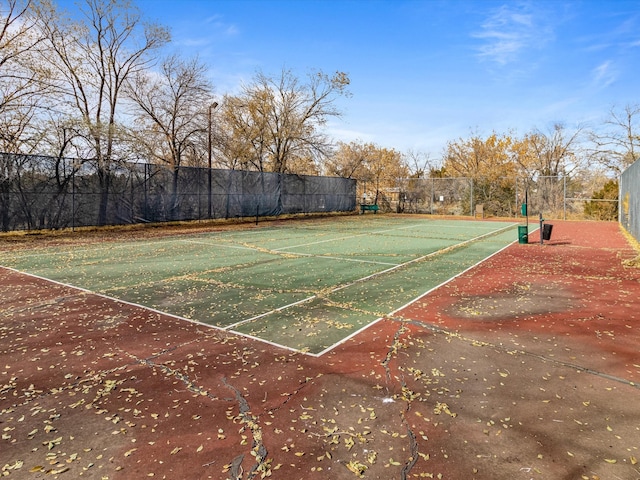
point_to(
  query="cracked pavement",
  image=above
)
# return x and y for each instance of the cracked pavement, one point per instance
(471, 381)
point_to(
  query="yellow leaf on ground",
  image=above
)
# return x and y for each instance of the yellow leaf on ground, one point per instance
(129, 452)
(357, 468)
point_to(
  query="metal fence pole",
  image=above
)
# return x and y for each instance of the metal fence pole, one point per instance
(432, 194)
(73, 197)
(516, 202)
(564, 213)
(209, 155)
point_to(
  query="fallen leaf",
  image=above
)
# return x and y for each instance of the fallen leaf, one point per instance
(348, 442)
(357, 468)
(60, 470)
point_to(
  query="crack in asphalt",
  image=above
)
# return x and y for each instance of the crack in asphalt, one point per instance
(43, 304)
(413, 443)
(258, 450)
(393, 350)
(168, 371)
(506, 349)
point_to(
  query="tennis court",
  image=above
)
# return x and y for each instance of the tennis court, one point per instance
(524, 366)
(304, 285)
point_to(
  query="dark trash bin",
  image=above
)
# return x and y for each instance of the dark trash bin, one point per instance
(546, 231)
(523, 234)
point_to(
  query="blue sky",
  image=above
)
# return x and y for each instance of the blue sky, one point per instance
(424, 72)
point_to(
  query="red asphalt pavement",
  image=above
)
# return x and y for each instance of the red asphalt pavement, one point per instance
(525, 367)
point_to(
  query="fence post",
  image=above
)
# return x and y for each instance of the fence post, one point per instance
(471, 204)
(73, 196)
(564, 204)
(516, 202)
(432, 194)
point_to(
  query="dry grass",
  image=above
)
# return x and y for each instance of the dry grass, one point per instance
(634, 262)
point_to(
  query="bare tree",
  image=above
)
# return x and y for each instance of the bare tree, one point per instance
(548, 160)
(241, 133)
(618, 145)
(378, 169)
(552, 154)
(23, 82)
(488, 163)
(174, 108)
(419, 163)
(91, 61)
(276, 123)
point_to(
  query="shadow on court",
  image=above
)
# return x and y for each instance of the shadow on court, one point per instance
(525, 366)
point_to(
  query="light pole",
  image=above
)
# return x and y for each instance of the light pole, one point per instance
(213, 106)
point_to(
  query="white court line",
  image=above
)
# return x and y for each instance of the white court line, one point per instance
(437, 252)
(109, 245)
(347, 237)
(369, 277)
(199, 242)
(449, 280)
(228, 329)
(406, 227)
(279, 251)
(279, 309)
(345, 339)
(390, 314)
(331, 257)
(160, 312)
(100, 247)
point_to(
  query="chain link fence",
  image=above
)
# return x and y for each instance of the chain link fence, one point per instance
(629, 213)
(38, 192)
(557, 197)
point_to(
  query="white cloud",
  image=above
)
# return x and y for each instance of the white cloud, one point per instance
(604, 74)
(212, 30)
(347, 135)
(194, 42)
(220, 26)
(511, 30)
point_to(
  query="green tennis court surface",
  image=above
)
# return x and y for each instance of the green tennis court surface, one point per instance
(303, 285)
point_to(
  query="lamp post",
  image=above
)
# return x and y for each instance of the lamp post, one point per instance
(213, 106)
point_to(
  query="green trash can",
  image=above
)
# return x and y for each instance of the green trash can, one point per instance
(523, 234)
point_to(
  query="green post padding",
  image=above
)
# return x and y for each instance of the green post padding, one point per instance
(523, 234)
